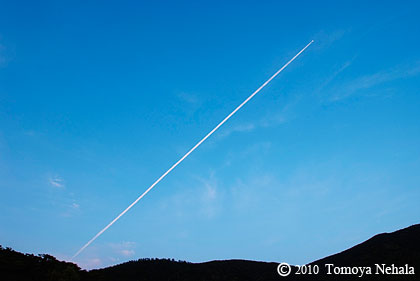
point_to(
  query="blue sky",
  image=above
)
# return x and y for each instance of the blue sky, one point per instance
(98, 99)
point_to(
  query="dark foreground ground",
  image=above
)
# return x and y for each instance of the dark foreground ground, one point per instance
(397, 252)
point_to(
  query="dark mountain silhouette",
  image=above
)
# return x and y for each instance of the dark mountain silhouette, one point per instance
(15, 266)
(395, 250)
(170, 270)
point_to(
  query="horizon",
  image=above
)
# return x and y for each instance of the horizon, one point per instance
(97, 100)
(219, 260)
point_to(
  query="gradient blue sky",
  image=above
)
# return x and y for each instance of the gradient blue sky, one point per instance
(99, 98)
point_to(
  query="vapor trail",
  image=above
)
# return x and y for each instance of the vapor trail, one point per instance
(189, 152)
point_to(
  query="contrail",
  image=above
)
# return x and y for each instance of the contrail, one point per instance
(189, 152)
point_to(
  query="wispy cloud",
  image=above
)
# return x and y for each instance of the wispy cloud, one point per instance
(266, 121)
(240, 128)
(189, 103)
(210, 192)
(106, 254)
(247, 193)
(123, 249)
(62, 197)
(189, 98)
(325, 38)
(56, 181)
(70, 210)
(91, 263)
(335, 74)
(210, 195)
(370, 80)
(203, 199)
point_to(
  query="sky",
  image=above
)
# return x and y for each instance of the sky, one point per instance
(99, 98)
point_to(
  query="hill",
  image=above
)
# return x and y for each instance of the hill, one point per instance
(386, 254)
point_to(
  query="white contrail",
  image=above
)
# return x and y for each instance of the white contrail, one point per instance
(189, 152)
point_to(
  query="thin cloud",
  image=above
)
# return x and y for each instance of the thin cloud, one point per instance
(92, 263)
(210, 204)
(71, 210)
(189, 98)
(371, 80)
(188, 103)
(325, 39)
(127, 253)
(241, 128)
(106, 254)
(268, 120)
(56, 181)
(123, 249)
(203, 199)
(275, 119)
(210, 193)
(246, 194)
(336, 73)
